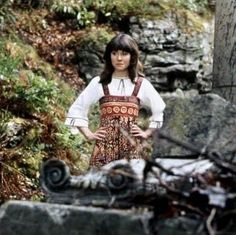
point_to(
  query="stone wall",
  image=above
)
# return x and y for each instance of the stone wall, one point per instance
(174, 58)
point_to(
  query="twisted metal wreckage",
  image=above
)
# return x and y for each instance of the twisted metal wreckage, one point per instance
(195, 193)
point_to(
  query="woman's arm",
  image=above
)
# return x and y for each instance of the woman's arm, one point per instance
(77, 115)
(151, 99)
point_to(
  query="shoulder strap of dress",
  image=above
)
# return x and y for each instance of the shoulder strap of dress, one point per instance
(137, 86)
(105, 89)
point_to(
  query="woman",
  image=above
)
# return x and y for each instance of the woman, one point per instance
(120, 90)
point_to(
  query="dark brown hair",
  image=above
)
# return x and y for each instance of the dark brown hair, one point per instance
(126, 43)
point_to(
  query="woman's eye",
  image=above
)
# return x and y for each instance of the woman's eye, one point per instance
(121, 53)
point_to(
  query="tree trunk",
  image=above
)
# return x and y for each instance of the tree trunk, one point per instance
(224, 66)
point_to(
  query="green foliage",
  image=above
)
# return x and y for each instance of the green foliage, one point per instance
(65, 138)
(8, 65)
(6, 13)
(96, 38)
(90, 12)
(65, 96)
(40, 96)
(117, 9)
(66, 6)
(94, 117)
(32, 90)
(4, 117)
(79, 147)
(75, 9)
(35, 91)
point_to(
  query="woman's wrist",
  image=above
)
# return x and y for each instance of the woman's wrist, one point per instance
(87, 133)
(148, 133)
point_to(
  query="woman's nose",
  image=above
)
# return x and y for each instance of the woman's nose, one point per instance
(119, 56)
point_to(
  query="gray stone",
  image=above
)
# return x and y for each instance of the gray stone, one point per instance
(165, 58)
(201, 120)
(34, 218)
(163, 44)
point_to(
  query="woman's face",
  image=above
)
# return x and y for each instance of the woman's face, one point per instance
(120, 60)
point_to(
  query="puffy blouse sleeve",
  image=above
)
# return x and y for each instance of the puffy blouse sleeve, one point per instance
(77, 115)
(150, 98)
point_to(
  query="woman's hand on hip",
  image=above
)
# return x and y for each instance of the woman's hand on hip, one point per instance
(99, 134)
(136, 131)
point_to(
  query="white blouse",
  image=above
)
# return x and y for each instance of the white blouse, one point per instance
(77, 115)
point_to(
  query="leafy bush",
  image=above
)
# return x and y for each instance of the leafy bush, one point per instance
(28, 94)
(32, 109)
(75, 9)
(8, 65)
(34, 91)
(89, 12)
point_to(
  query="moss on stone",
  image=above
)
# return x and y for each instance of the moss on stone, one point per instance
(97, 37)
(186, 19)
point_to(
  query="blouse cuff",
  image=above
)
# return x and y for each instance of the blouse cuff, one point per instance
(76, 122)
(155, 124)
(74, 130)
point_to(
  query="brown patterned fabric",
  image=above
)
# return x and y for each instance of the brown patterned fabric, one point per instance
(118, 114)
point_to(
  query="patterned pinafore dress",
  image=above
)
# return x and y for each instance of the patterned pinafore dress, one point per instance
(117, 114)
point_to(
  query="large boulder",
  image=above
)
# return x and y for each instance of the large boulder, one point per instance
(204, 121)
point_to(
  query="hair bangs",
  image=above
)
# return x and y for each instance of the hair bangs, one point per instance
(121, 43)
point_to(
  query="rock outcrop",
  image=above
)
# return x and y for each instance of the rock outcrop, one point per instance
(205, 121)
